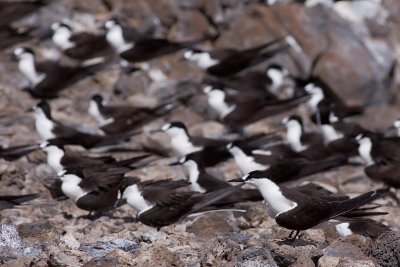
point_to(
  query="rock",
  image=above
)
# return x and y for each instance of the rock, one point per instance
(101, 248)
(35, 229)
(191, 26)
(328, 261)
(341, 249)
(285, 255)
(386, 249)
(303, 261)
(256, 256)
(209, 226)
(102, 262)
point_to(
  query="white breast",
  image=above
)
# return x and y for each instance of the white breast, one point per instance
(293, 134)
(364, 149)
(54, 156)
(27, 67)
(61, 39)
(277, 79)
(330, 134)
(70, 187)
(273, 196)
(194, 173)
(245, 163)
(216, 100)
(116, 39)
(343, 229)
(135, 199)
(203, 60)
(43, 125)
(180, 142)
(94, 111)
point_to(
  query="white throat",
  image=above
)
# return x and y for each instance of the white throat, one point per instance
(293, 133)
(216, 99)
(116, 39)
(364, 150)
(54, 156)
(277, 79)
(272, 194)
(70, 187)
(245, 163)
(180, 141)
(61, 38)
(27, 67)
(330, 134)
(194, 173)
(316, 96)
(135, 199)
(94, 111)
(43, 125)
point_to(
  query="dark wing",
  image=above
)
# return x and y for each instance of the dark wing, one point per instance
(101, 182)
(147, 49)
(384, 172)
(7, 202)
(208, 142)
(14, 153)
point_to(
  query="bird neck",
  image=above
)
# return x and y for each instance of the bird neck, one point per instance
(116, 39)
(294, 132)
(27, 67)
(94, 111)
(364, 149)
(135, 199)
(62, 38)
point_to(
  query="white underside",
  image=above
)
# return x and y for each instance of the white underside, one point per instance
(135, 199)
(245, 163)
(70, 187)
(43, 125)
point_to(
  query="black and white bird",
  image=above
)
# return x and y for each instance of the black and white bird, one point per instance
(250, 159)
(94, 193)
(160, 203)
(115, 119)
(213, 150)
(201, 181)
(237, 109)
(381, 157)
(51, 129)
(290, 169)
(79, 45)
(46, 79)
(229, 61)
(361, 226)
(10, 201)
(324, 100)
(297, 211)
(58, 159)
(133, 46)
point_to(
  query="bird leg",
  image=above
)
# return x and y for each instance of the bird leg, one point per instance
(291, 237)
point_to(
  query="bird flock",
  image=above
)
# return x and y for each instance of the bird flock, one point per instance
(239, 94)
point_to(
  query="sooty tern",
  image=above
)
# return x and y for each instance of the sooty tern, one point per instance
(228, 61)
(285, 170)
(203, 182)
(49, 129)
(134, 47)
(115, 119)
(323, 100)
(97, 192)
(10, 201)
(58, 159)
(159, 205)
(213, 150)
(48, 78)
(80, 45)
(237, 112)
(297, 211)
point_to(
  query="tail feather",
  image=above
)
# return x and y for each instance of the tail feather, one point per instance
(354, 203)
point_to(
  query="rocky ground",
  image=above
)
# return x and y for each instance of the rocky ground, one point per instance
(356, 45)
